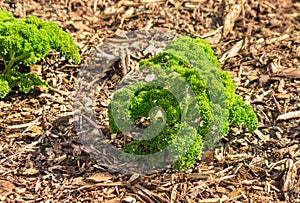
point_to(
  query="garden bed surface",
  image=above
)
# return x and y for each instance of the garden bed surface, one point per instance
(257, 42)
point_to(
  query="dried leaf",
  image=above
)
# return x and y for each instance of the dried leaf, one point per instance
(290, 176)
(261, 135)
(263, 80)
(281, 86)
(233, 51)
(288, 72)
(80, 26)
(128, 13)
(230, 19)
(274, 67)
(213, 37)
(290, 115)
(174, 193)
(6, 187)
(99, 177)
(134, 177)
(234, 194)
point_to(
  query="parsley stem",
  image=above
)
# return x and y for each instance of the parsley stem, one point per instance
(9, 66)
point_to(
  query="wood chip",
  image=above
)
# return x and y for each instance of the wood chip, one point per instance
(289, 115)
(233, 51)
(99, 177)
(230, 19)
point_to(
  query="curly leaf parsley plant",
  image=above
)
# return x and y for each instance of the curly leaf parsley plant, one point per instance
(25, 41)
(194, 62)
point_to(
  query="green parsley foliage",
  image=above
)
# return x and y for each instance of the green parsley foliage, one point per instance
(4, 88)
(25, 41)
(216, 103)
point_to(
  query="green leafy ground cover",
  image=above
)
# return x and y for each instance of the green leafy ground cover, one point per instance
(187, 118)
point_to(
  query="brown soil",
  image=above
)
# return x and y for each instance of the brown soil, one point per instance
(257, 42)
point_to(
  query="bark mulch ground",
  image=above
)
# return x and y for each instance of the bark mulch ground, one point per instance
(257, 42)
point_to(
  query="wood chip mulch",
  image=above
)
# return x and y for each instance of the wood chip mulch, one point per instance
(257, 42)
